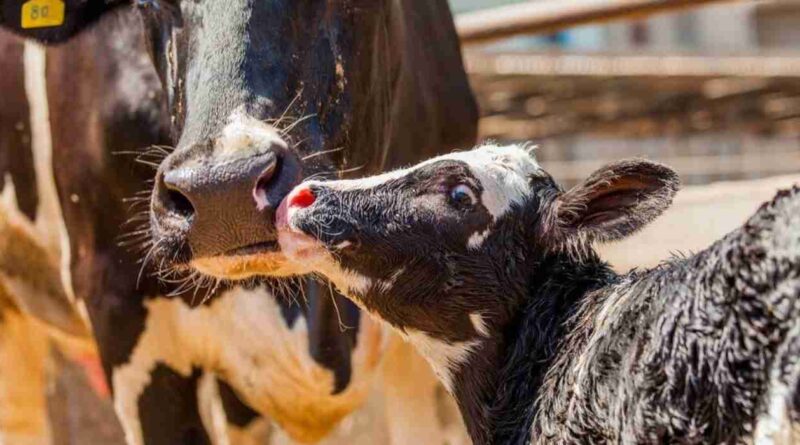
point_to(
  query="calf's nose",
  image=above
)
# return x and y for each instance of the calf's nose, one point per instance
(301, 197)
(226, 206)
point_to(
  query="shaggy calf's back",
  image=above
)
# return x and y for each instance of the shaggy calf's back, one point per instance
(702, 349)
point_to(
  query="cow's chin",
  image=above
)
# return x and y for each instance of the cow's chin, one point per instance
(240, 267)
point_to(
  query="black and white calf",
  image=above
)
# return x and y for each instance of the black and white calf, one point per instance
(486, 265)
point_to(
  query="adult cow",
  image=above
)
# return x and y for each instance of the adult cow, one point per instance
(259, 95)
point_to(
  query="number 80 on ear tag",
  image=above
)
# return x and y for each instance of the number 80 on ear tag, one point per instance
(42, 13)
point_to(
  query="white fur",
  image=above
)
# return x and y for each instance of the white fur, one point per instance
(503, 172)
(608, 313)
(476, 240)
(774, 423)
(49, 219)
(212, 413)
(246, 136)
(243, 337)
(356, 283)
(9, 194)
(445, 358)
(775, 426)
(386, 284)
(343, 244)
(479, 323)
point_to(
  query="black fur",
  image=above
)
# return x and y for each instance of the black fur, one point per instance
(683, 353)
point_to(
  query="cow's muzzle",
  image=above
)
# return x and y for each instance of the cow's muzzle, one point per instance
(221, 201)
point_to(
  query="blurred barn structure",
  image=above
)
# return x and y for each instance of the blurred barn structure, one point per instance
(713, 91)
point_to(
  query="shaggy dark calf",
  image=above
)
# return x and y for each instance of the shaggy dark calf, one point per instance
(484, 264)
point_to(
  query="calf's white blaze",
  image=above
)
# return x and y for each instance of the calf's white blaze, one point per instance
(503, 172)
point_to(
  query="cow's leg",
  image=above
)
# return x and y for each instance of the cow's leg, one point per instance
(162, 409)
(155, 383)
(243, 425)
(23, 404)
(169, 411)
(226, 416)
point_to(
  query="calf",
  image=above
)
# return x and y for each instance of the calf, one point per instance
(487, 267)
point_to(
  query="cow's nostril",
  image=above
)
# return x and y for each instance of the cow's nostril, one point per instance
(172, 198)
(265, 181)
(272, 171)
(179, 203)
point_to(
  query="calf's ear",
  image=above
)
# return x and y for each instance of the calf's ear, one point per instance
(616, 200)
(52, 21)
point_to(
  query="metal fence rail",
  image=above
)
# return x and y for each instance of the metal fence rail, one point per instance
(553, 15)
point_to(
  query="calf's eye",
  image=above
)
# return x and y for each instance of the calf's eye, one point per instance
(462, 196)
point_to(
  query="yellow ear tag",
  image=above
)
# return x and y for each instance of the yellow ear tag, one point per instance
(42, 13)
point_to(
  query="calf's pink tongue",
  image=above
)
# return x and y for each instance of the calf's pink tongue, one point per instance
(282, 215)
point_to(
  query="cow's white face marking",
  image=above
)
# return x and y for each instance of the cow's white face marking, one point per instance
(445, 358)
(242, 336)
(246, 136)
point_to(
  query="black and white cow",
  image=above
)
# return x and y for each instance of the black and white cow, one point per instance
(487, 267)
(256, 97)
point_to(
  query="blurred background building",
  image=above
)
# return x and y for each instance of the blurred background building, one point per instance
(713, 91)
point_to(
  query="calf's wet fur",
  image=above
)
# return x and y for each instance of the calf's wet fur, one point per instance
(487, 267)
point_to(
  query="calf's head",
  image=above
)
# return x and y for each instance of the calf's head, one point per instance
(262, 94)
(444, 251)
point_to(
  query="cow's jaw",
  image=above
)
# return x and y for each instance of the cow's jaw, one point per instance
(241, 267)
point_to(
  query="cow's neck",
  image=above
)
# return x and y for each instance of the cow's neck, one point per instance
(497, 387)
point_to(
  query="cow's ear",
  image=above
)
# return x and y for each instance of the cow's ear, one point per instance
(616, 200)
(53, 21)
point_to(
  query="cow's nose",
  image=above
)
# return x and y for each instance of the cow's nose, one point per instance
(226, 206)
